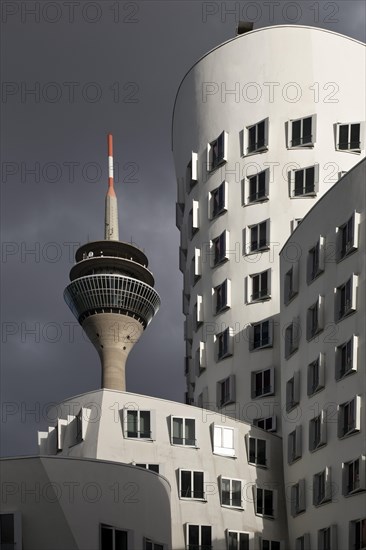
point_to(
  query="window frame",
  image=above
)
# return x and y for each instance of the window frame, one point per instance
(261, 245)
(222, 193)
(315, 318)
(349, 287)
(214, 162)
(322, 487)
(193, 490)
(291, 283)
(114, 530)
(353, 535)
(248, 439)
(294, 445)
(224, 343)
(200, 546)
(293, 391)
(238, 546)
(318, 366)
(229, 391)
(350, 367)
(274, 499)
(271, 387)
(250, 297)
(231, 480)
(307, 144)
(355, 415)
(273, 419)
(298, 498)
(184, 430)
(360, 147)
(305, 193)
(249, 198)
(358, 475)
(220, 246)
(225, 302)
(318, 431)
(151, 422)
(350, 229)
(192, 172)
(220, 449)
(252, 335)
(261, 148)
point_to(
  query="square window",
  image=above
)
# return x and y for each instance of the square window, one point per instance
(270, 544)
(347, 236)
(256, 187)
(138, 424)
(322, 489)
(218, 199)
(294, 445)
(316, 375)
(349, 417)
(220, 245)
(357, 532)
(237, 540)
(257, 137)
(264, 505)
(318, 431)
(267, 423)
(259, 237)
(262, 383)
(346, 298)
(183, 431)
(217, 152)
(349, 137)
(226, 391)
(346, 358)
(302, 132)
(112, 538)
(304, 181)
(261, 335)
(224, 344)
(258, 451)
(222, 296)
(231, 492)
(151, 467)
(191, 484)
(259, 286)
(223, 441)
(199, 537)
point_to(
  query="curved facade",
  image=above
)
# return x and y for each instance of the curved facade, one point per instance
(261, 130)
(323, 274)
(225, 476)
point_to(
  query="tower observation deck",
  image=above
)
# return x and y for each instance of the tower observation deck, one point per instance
(111, 293)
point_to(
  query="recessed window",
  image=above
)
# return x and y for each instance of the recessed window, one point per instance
(354, 473)
(202, 399)
(291, 283)
(267, 423)
(302, 132)
(256, 188)
(226, 391)
(151, 545)
(315, 318)
(256, 238)
(298, 498)
(316, 260)
(79, 427)
(347, 236)
(264, 502)
(224, 344)
(217, 152)
(318, 431)
(261, 335)
(322, 488)
(262, 383)
(191, 484)
(349, 137)
(220, 247)
(222, 296)
(196, 266)
(193, 219)
(151, 467)
(231, 492)
(258, 451)
(10, 531)
(294, 445)
(200, 359)
(237, 540)
(218, 200)
(349, 417)
(257, 137)
(303, 543)
(346, 358)
(345, 302)
(198, 537)
(292, 334)
(304, 181)
(294, 223)
(138, 424)
(223, 441)
(327, 538)
(183, 431)
(270, 544)
(293, 391)
(198, 312)
(316, 375)
(191, 172)
(357, 534)
(112, 538)
(258, 287)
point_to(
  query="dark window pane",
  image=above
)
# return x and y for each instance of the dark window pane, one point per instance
(198, 484)
(186, 484)
(261, 452)
(107, 538)
(206, 536)
(154, 468)
(355, 136)
(120, 540)
(193, 534)
(343, 136)
(306, 130)
(299, 182)
(260, 137)
(296, 133)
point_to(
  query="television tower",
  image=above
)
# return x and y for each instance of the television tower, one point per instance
(111, 292)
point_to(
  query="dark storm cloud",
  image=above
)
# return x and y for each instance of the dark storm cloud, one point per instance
(90, 73)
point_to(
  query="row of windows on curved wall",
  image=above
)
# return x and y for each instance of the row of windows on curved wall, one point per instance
(300, 133)
(327, 537)
(346, 242)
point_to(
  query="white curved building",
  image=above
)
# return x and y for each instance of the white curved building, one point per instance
(323, 299)
(263, 126)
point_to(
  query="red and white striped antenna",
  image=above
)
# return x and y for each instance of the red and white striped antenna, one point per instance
(111, 208)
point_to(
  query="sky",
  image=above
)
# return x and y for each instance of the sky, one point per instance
(72, 71)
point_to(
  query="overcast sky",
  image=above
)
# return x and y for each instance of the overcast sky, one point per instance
(71, 72)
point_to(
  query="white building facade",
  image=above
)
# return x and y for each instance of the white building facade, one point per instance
(323, 273)
(263, 126)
